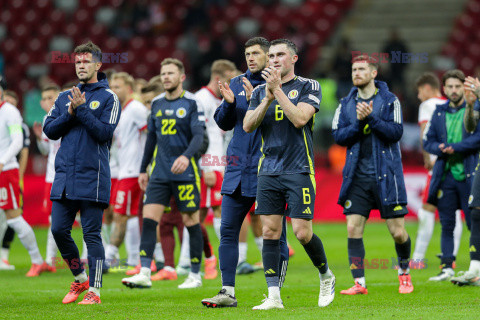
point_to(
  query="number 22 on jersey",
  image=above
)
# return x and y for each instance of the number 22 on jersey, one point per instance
(168, 126)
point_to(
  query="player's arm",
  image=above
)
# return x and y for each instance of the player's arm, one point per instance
(148, 151)
(57, 123)
(472, 94)
(225, 115)
(14, 126)
(426, 156)
(345, 133)
(467, 145)
(23, 156)
(391, 129)
(257, 109)
(431, 141)
(101, 129)
(299, 114)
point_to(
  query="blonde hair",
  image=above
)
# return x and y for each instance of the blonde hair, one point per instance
(127, 79)
(222, 66)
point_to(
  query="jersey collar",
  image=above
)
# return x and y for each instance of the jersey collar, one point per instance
(126, 104)
(211, 91)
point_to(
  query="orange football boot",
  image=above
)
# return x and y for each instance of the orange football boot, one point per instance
(356, 289)
(90, 298)
(76, 288)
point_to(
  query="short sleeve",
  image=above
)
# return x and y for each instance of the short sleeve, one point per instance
(311, 94)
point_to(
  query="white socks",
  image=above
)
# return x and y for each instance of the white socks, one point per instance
(274, 293)
(327, 275)
(4, 252)
(110, 253)
(84, 255)
(259, 243)
(426, 224)
(158, 253)
(82, 277)
(184, 259)
(27, 238)
(132, 241)
(242, 252)
(229, 290)
(217, 222)
(361, 281)
(457, 232)
(106, 231)
(51, 248)
(475, 266)
(95, 290)
(146, 271)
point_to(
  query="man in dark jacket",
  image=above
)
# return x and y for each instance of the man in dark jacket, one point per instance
(239, 187)
(457, 150)
(369, 123)
(84, 118)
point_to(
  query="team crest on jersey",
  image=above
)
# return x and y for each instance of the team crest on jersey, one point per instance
(439, 194)
(256, 204)
(94, 105)
(181, 112)
(348, 204)
(168, 112)
(470, 199)
(292, 94)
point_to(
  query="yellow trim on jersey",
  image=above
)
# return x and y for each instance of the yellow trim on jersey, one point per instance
(310, 162)
(195, 170)
(263, 155)
(153, 162)
(314, 183)
(183, 93)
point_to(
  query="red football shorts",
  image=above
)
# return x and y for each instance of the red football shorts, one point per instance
(211, 197)
(128, 197)
(427, 187)
(47, 203)
(9, 190)
(113, 191)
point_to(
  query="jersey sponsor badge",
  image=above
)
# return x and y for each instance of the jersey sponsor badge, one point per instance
(168, 112)
(181, 112)
(159, 113)
(292, 94)
(398, 208)
(242, 93)
(94, 105)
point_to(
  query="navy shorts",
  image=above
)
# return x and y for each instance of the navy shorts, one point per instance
(290, 194)
(186, 194)
(474, 199)
(363, 197)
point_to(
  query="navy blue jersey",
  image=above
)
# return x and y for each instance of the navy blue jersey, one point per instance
(173, 121)
(286, 149)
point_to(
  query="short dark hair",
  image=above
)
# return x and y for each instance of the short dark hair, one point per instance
(92, 48)
(156, 88)
(456, 74)
(428, 78)
(12, 94)
(366, 58)
(290, 45)
(50, 86)
(261, 41)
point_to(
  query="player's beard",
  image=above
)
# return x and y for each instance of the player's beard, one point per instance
(457, 99)
(173, 87)
(85, 77)
(361, 83)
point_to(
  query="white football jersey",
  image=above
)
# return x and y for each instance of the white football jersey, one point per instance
(425, 113)
(10, 123)
(427, 107)
(130, 136)
(114, 157)
(207, 100)
(50, 148)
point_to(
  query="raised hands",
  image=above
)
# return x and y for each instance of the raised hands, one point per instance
(226, 92)
(247, 86)
(364, 110)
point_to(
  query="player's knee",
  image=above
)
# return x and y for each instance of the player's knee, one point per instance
(354, 231)
(59, 233)
(270, 232)
(400, 235)
(303, 235)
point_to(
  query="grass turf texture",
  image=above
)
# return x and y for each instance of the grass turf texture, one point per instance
(40, 298)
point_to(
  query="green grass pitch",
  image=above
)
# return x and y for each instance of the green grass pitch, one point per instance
(40, 298)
